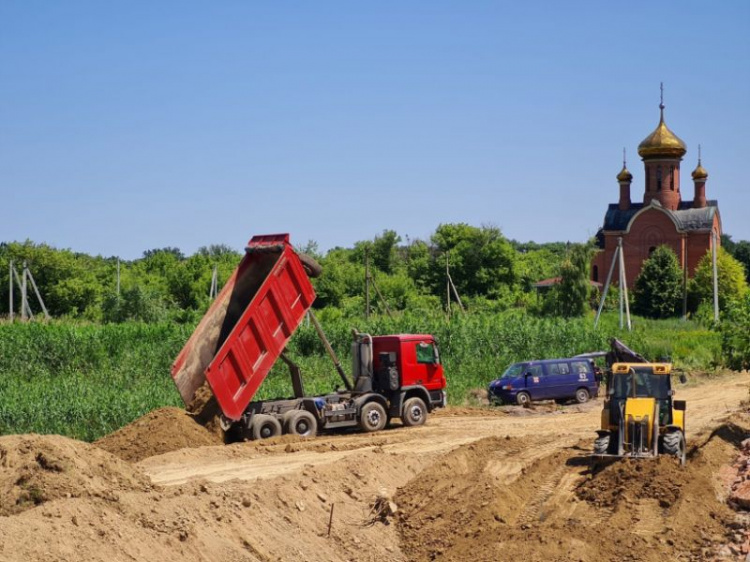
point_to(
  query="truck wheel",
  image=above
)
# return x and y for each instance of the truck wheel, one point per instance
(311, 267)
(414, 413)
(372, 417)
(302, 423)
(523, 399)
(601, 445)
(582, 395)
(264, 426)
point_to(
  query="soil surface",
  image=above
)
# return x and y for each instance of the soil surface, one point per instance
(473, 484)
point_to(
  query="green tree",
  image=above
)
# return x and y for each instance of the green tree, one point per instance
(738, 250)
(482, 260)
(658, 289)
(731, 279)
(735, 335)
(573, 293)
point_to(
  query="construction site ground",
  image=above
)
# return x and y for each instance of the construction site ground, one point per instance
(473, 484)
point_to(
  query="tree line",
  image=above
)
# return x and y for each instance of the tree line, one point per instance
(489, 271)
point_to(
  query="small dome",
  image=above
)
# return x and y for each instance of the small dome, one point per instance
(662, 142)
(700, 172)
(624, 175)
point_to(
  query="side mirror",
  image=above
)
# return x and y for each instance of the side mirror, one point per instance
(683, 378)
(679, 405)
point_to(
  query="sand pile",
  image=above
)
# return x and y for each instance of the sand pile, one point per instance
(556, 509)
(160, 431)
(35, 469)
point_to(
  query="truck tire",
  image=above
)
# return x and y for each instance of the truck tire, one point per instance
(264, 426)
(372, 417)
(311, 267)
(414, 412)
(582, 395)
(523, 399)
(301, 422)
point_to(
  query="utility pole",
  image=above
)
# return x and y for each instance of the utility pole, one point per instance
(715, 275)
(606, 285)
(118, 277)
(447, 285)
(367, 282)
(624, 284)
(10, 290)
(24, 302)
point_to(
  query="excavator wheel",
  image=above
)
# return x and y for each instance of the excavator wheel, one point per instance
(300, 422)
(372, 417)
(601, 445)
(264, 426)
(673, 443)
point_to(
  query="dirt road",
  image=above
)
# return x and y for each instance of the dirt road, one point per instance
(707, 403)
(471, 485)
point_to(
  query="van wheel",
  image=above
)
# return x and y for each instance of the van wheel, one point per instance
(372, 417)
(264, 426)
(523, 399)
(582, 395)
(415, 412)
(302, 423)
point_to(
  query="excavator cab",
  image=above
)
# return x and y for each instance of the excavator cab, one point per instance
(640, 418)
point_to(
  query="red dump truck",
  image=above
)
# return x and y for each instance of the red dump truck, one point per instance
(246, 330)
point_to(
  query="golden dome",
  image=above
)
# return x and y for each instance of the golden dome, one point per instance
(662, 142)
(624, 175)
(700, 172)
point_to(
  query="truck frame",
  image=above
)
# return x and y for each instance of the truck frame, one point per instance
(246, 330)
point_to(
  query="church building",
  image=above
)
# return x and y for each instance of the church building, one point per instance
(663, 217)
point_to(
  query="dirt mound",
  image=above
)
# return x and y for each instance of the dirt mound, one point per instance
(161, 431)
(41, 468)
(473, 505)
(624, 481)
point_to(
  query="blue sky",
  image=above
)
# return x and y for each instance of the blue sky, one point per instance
(126, 126)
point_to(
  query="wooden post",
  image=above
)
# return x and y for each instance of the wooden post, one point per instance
(606, 286)
(715, 276)
(24, 302)
(447, 285)
(367, 282)
(10, 291)
(330, 520)
(38, 296)
(624, 284)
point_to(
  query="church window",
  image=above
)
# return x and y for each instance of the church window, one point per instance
(648, 179)
(671, 178)
(658, 178)
(651, 250)
(596, 273)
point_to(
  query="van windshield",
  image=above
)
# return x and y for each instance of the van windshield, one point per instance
(513, 371)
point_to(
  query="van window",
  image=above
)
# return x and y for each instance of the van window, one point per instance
(534, 371)
(580, 367)
(559, 369)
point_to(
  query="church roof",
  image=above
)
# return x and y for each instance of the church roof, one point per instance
(686, 217)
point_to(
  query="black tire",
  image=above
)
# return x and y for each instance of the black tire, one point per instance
(312, 267)
(264, 426)
(302, 423)
(523, 399)
(372, 417)
(582, 395)
(601, 445)
(414, 412)
(673, 443)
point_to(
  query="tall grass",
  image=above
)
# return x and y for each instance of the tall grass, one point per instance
(86, 380)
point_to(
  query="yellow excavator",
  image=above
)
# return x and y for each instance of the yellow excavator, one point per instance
(640, 418)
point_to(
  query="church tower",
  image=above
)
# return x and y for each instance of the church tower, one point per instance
(662, 152)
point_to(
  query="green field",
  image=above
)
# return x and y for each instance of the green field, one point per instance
(86, 380)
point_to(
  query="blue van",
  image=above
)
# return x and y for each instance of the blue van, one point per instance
(549, 379)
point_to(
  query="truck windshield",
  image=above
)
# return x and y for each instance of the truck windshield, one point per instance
(647, 384)
(512, 371)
